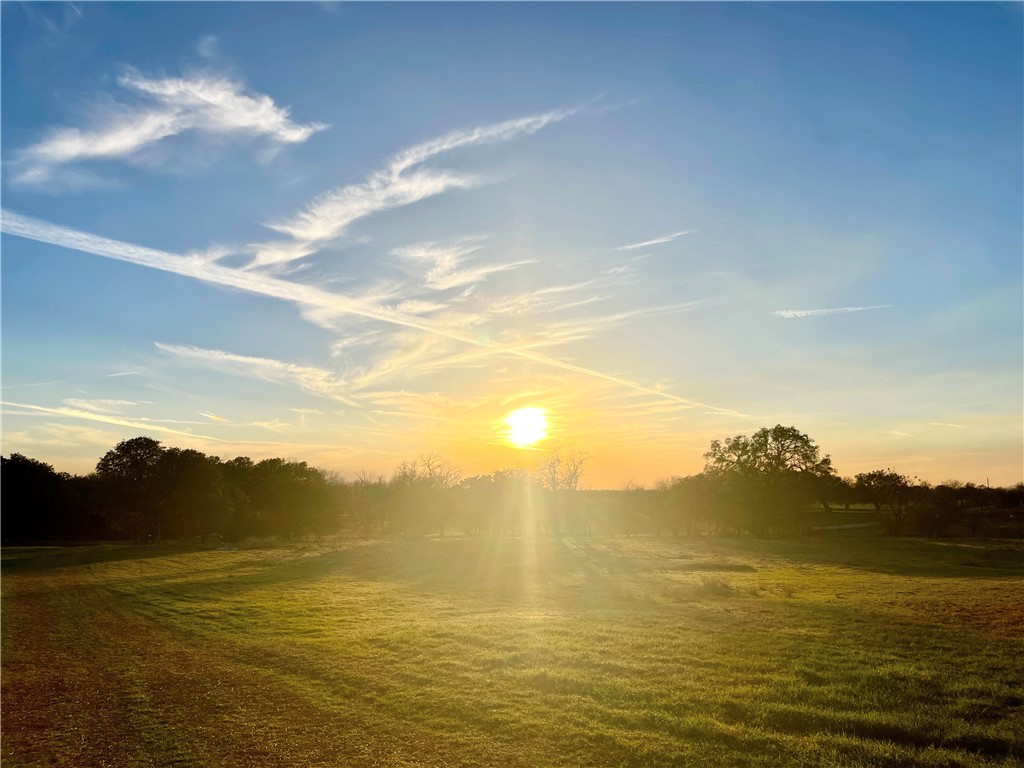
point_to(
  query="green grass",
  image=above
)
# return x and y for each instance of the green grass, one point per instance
(609, 651)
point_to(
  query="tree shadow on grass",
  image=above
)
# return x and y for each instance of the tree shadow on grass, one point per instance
(802, 721)
(945, 558)
(490, 572)
(559, 573)
(935, 558)
(27, 559)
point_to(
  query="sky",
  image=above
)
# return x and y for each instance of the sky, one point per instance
(357, 234)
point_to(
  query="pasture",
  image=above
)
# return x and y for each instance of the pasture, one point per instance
(611, 651)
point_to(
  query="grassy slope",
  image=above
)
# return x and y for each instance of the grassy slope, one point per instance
(619, 652)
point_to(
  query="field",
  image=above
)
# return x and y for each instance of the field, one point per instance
(519, 652)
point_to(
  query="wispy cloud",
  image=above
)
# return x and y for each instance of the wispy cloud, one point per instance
(168, 106)
(401, 182)
(219, 105)
(100, 405)
(331, 214)
(445, 268)
(944, 424)
(425, 405)
(587, 327)
(656, 241)
(107, 418)
(558, 298)
(35, 384)
(274, 425)
(306, 413)
(420, 307)
(350, 342)
(409, 352)
(790, 313)
(317, 381)
(69, 436)
(56, 19)
(306, 296)
(277, 255)
(211, 254)
(208, 47)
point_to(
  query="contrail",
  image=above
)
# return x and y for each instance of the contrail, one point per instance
(304, 295)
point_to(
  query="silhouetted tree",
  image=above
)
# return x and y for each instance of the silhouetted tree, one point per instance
(938, 508)
(192, 497)
(366, 502)
(687, 504)
(559, 474)
(291, 498)
(887, 490)
(516, 492)
(768, 478)
(239, 487)
(494, 504)
(86, 514)
(129, 471)
(437, 480)
(32, 499)
(645, 509)
(477, 505)
(420, 495)
(835, 490)
(762, 483)
(562, 469)
(401, 504)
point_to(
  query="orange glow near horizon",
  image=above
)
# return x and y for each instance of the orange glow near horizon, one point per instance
(526, 426)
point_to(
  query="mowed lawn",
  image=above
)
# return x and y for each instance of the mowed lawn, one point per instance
(519, 652)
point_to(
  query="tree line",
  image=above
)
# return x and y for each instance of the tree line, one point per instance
(775, 482)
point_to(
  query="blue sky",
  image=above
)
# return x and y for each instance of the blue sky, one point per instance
(354, 234)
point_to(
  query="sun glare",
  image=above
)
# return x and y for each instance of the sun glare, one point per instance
(526, 426)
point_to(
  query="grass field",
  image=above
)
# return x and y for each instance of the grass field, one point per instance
(601, 652)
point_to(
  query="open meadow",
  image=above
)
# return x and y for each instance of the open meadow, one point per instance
(516, 652)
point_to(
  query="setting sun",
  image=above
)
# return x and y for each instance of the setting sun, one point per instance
(526, 426)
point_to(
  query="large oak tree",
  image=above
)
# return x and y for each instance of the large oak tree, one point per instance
(765, 481)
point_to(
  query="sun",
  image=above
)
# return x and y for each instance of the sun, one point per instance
(526, 426)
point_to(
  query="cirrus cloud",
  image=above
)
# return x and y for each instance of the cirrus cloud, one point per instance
(164, 107)
(791, 313)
